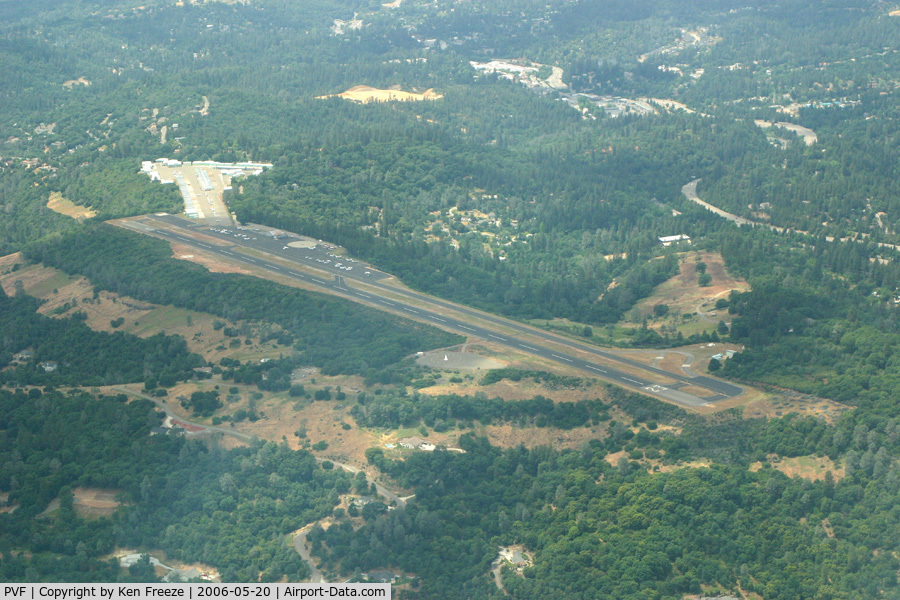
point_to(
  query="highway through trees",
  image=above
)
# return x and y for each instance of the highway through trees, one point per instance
(316, 264)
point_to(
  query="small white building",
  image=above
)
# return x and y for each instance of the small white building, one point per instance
(674, 239)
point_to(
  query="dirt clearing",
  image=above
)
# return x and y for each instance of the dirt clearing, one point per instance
(364, 94)
(63, 206)
(204, 333)
(95, 502)
(683, 295)
(510, 436)
(184, 252)
(784, 402)
(812, 468)
(34, 280)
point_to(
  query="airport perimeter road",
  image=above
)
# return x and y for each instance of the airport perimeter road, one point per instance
(335, 275)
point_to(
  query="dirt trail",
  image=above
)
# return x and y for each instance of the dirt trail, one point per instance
(495, 571)
(303, 550)
(300, 539)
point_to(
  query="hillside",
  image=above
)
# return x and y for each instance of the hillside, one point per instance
(698, 187)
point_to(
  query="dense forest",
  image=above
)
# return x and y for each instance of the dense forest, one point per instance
(68, 352)
(195, 502)
(537, 194)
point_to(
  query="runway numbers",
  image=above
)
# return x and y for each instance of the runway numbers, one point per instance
(656, 389)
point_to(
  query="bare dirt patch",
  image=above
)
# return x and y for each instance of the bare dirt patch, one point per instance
(510, 436)
(777, 404)
(95, 502)
(66, 207)
(5, 507)
(282, 416)
(322, 421)
(34, 280)
(812, 468)
(365, 94)
(88, 503)
(184, 252)
(73, 82)
(691, 464)
(64, 295)
(684, 296)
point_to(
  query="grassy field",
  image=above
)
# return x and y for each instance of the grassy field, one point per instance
(57, 203)
(204, 333)
(812, 468)
(691, 307)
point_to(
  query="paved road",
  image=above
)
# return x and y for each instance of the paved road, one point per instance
(335, 277)
(302, 549)
(689, 190)
(388, 494)
(165, 408)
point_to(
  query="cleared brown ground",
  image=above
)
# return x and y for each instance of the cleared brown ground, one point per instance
(4, 507)
(516, 390)
(183, 252)
(36, 280)
(771, 405)
(95, 502)
(73, 82)
(143, 319)
(63, 206)
(364, 94)
(88, 503)
(509, 436)
(682, 294)
(812, 468)
(656, 465)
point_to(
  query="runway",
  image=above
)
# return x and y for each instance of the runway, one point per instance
(295, 257)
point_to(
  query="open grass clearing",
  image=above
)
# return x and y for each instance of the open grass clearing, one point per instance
(34, 280)
(684, 296)
(812, 468)
(657, 465)
(137, 317)
(780, 403)
(57, 203)
(511, 436)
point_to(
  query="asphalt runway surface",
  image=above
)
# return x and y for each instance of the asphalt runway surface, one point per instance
(338, 271)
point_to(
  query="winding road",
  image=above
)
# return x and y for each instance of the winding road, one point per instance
(299, 541)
